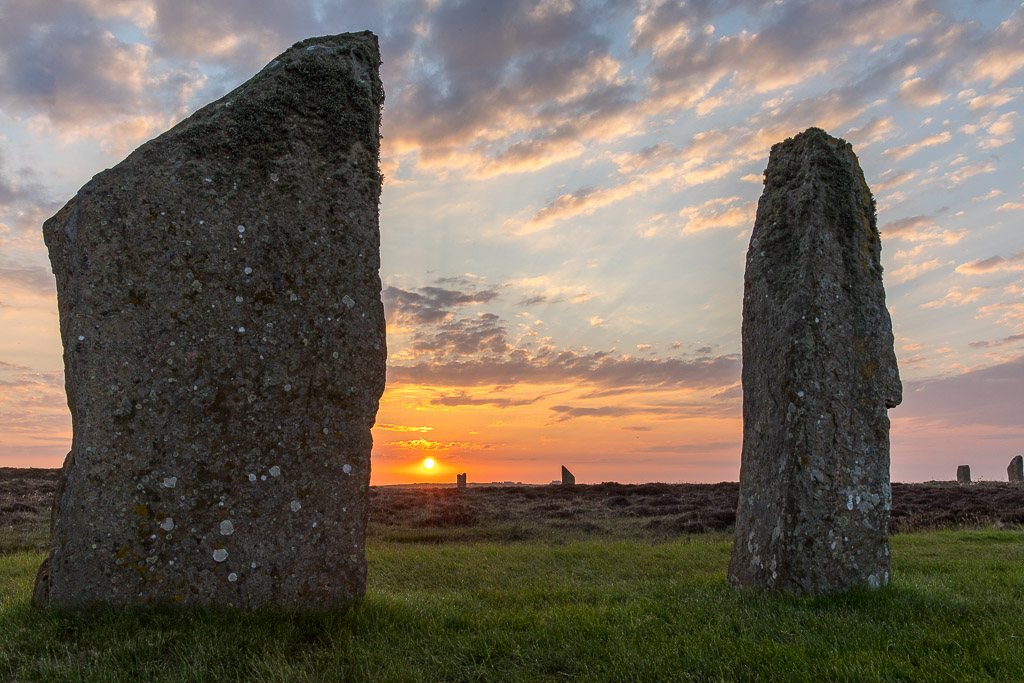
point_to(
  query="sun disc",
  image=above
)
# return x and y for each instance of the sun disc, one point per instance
(429, 463)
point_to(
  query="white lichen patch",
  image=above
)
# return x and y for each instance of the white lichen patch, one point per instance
(167, 524)
(348, 301)
(169, 482)
(346, 468)
(252, 477)
(227, 528)
(275, 471)
(219, 555)
(295, 506)
(232, 577)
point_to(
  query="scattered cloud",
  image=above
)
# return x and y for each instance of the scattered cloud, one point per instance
(1005, 341)
(903, 151)
(993, 263)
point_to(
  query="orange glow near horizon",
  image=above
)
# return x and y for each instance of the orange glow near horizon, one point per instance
(501, 434)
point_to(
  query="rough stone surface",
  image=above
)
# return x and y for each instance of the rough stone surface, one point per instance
(963, 474)
(460, 480)
(819, 372)
(224, 348)
(1015, 470)
(567, 477)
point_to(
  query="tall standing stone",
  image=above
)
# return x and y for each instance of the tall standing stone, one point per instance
(460, 480)
(819, 372)
(1015, 470)
(963, 474)
(567, 477)
(224, 348)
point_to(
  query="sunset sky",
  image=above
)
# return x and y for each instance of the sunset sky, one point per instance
(570, 189)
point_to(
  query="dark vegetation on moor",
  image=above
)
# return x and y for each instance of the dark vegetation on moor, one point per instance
(436, 514)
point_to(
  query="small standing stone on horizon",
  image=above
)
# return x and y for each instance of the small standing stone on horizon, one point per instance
(224, 349)
(460, 480)
(963, 474)
(819, 373)
(567, 477)
(1015, 470)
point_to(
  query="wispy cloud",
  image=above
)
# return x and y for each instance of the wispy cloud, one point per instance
(993, 263)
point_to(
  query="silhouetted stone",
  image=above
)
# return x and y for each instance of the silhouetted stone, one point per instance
(224, 348)
(963, 474)
(460, 480)
(1015, 470)
(819, 372)
(567, 477)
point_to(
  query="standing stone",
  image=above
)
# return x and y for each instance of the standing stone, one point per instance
(963, 474)
(460, 480)
(819, 372)
(1015, 470)
(224, 348)
(567, 477)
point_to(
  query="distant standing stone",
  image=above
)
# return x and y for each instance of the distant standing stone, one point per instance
(567, 477)
(460, 480)
(224, 348)
(1015, 470)
(963, 474)
(819, 374)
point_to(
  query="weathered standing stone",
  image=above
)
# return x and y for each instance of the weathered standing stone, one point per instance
(819, 372)
(963, 474)
(224, 348)
(460, 480)
(567, 477)
(1015, 470)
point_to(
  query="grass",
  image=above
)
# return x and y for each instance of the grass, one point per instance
(592, 609)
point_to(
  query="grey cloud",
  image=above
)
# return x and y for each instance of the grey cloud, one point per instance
(498, 59)
(1012, 339)
(34, 278)
(429, 305)
(597, 369)
(463, 338)
(987, 396)
(61, 61)
(461, 399)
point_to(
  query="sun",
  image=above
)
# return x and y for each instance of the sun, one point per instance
(429, 463)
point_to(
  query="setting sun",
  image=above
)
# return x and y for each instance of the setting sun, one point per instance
(428, 463)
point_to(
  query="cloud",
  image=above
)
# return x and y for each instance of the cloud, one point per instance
(1012, 339)
(504, 88)
(903, 151)
(60, 63)
(919, 229)
(993, 263)
(35, 279)
(984, 396)
(1001, 54)
(469, 336)
(1011, 206)
(597, 369)
(911, 271)
(796, 42)
(956, 297)
(401, 428)
(464, 399)
(920, 92)
(892, 178)
(428, 304)
(718, 213)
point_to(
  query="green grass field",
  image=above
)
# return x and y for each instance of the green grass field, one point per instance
(586, 610)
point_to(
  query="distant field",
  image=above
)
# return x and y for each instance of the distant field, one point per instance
(603, 582)
(602, 511)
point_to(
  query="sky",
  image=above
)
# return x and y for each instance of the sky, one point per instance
(570, 187)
